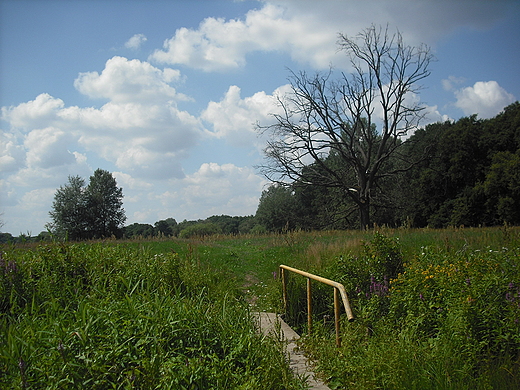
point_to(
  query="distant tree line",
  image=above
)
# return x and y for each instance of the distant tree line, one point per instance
(217, 224)
(466, 172)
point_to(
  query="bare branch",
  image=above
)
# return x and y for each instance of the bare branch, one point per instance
(328, 127)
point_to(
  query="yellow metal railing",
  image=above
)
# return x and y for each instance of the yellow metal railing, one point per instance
(338, 290)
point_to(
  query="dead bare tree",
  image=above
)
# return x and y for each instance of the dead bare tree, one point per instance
(343, 132)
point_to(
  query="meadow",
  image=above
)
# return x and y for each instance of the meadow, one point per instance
(435, 309)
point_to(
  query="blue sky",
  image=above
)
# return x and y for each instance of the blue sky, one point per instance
(165, 94)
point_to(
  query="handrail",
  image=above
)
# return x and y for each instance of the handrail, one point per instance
(338, 287)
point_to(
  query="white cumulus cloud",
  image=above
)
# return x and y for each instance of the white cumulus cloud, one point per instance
(37, 113)
(485, 98)
(235, 119)
(215, 189)
(136, 41)
(125, 80)
(219, 45)
(308, 30)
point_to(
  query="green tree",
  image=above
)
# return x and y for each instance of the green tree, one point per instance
(69, 210)
(322, 116)
(105, 205)
(469, 173)
(200, 229)
(277, 210)
(138, 230)
(163, 228)
(94, 211)
(502, 187)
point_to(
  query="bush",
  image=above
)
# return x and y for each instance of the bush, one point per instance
(200, 230)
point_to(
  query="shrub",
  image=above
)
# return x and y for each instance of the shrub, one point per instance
(200, 230)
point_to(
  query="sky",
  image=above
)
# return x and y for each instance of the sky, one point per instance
(167, 95)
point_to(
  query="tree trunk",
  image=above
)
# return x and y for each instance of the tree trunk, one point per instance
(364, 214)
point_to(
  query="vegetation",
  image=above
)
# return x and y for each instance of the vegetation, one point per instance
(82, 212)
(327, 136)
(468, 175)
(100, 316)
(434, 309)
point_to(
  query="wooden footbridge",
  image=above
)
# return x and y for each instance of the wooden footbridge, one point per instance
(273, 325)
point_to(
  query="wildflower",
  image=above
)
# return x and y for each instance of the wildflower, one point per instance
(21, 364)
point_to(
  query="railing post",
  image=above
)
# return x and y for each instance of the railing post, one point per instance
(336, 317)
(309, 305)
(284, 289)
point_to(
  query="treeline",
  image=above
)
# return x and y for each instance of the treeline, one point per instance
(169, 227)
(468, 174)
(217, 224)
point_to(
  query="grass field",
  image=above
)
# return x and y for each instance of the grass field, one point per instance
(435, 309)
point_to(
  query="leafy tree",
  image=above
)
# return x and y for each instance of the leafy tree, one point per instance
(94, 211)
(104, 200)
(322, 117)
(201, 229)
(502, 187)
(163, 228)
(469, 173)
(277, 210)
(138, 229)
(6, 238)
(69, 210)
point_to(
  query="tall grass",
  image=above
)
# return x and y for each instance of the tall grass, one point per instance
(435, 309)
(444, 317)
(102, 316)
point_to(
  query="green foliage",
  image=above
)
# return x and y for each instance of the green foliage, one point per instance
(277, 210)
(137, 230)
(462, 173)
(445, 319)
(86, 212)
(104, 201)
(200, 230)
(100, 316)
(232, 225)
(470, 175)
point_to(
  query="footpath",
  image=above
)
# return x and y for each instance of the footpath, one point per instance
(272, 325)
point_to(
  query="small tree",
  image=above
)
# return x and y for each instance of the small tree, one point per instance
(85, 212)
(323, 118)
